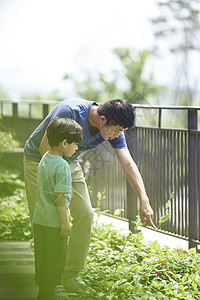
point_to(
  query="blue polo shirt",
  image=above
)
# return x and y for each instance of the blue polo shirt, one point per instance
(78, 110)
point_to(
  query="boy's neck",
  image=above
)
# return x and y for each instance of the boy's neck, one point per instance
(56, 151)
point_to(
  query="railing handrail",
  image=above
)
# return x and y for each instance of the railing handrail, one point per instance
(177, 107)
(142, 106)
(30, 101)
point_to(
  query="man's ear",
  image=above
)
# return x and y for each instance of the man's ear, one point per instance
(103, 120)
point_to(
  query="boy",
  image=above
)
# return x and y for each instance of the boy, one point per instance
(50, 222)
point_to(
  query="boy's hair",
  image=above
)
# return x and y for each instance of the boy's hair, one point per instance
(60, 129)
(118, 111)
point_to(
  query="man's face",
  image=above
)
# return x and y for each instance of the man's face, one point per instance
(111, 132)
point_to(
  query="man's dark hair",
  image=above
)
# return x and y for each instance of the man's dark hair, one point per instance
(60, 129)
(118, 111)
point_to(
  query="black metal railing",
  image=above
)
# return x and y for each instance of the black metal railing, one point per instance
(167, 158)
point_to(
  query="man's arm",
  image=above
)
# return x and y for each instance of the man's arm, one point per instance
(135, 180)
(44, 145)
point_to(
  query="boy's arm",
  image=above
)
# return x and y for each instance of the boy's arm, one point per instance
(61, 205)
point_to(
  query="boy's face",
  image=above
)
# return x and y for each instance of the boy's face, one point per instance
(69, 149)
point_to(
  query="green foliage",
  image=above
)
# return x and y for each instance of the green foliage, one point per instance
(8, 141)
(129, 81)
(139, 85)
(53, 95)
(178, 26)
(14, 216)
(120, 265)
(179, 20)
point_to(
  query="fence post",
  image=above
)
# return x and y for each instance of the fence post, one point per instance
(15, 109)
(45, 110)
(192, 165)
(132, 207)
(159, 117)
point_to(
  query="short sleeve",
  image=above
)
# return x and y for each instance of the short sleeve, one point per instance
(62, 111)
(120, 142)
(63, 181)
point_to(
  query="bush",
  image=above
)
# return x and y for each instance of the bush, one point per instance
(14, 216)
(123, 266)
(8, 141)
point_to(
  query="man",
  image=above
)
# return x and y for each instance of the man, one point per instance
(106, 121)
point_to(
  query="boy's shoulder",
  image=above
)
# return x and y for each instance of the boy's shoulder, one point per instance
(53, 159)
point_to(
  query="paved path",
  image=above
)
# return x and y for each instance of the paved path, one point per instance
(17, 271)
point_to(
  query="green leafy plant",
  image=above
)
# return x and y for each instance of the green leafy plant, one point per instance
(14, 216)
(121, 265)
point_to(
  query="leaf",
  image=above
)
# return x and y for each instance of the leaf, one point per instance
(185, 277)
(164, 219)
(109, 283)
(117, 212)
(192, 251)
(155, 245)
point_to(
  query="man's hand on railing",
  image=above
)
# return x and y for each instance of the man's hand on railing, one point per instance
(146, 214)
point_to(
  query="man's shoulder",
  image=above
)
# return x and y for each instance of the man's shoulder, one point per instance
(76, 102)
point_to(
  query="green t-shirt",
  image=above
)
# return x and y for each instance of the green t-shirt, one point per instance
(53, 176)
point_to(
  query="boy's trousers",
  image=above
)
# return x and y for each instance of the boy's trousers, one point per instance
(49, 259)
(81, 211)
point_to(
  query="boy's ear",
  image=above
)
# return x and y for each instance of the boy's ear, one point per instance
(64, 142)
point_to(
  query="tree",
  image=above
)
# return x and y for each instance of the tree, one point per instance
(130, 81)
(178, 26)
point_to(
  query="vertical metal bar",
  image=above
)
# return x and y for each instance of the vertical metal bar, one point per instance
(133, 145)
(171, 181)
(168, 187)
(192, 124)
(142, 152)
(149, 162)
(15, 109)
(159, 117)
(175, 188)
(45, 110)
(186, 186)
(181, 188)
(29, 110)
(145, 158)
(154, 173)
(161, 173)
(164, 172)
(158, 196)
(198, 186)
(178, 206)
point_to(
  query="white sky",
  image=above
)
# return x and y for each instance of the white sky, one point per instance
(41, 40)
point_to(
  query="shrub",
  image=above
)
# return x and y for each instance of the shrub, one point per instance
(14, 216)
(123, 266)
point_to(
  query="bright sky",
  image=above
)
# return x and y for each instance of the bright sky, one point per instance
(41, 40)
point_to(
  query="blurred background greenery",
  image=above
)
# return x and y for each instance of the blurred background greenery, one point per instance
(146, 52)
